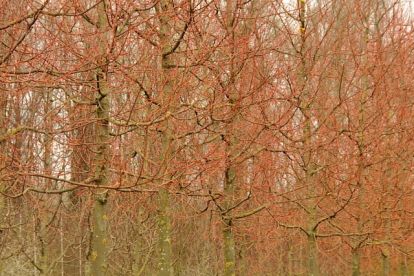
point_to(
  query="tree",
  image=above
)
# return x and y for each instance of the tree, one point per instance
(205, 137)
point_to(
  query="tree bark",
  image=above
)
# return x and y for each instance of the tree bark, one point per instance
(228, 235)
(313, 255)
(164, 211)
(99, 235)
(309, 167)
(230, 140)
(356, 262)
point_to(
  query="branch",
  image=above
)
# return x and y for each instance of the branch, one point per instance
(29, 27)
(293, 227)
(251, 155)
(85, 16)
(17, 21)
(34, 15)
(146, 38)
(178, 42)
(296, 202)
(146, 93)
(85, 184)
(12, 132)
(342, 234)
(333, 215)
(215, 200)
(135, 125)
(247, 214)
(237, 205)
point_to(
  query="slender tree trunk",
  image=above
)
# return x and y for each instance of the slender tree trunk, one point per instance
(356, 256)
(313, 255)
(44, 218)
(99, 235)
(385, 262)
(230, 140)
(140, 262)
(403, 266)
(356, 262)
(3, 154)
(243, 260)
(386, 250)
(306, 106)
(165, 268)
(228, 236)
(164, 234)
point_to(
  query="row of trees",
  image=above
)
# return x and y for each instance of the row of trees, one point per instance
(204, 137)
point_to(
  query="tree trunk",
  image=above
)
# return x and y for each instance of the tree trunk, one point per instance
(403, 266)
(309, 167)
(228, 236)
(164, 234)
(356, 262)
(385, 261)
(3, 154)
(99, 235)
(44, 219)
(165, 268)
(313, 255)
(229, 249)
(230, 140)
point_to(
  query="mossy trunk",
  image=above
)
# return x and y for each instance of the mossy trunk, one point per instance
(243, 260)
(356, 262)
(99, 235)
(99, 239)
(404, 266)
(230, 140)
(313, 261)
(385, 262)
(308, 158)
(45, 218)
(313, 255)
(99, 265)
(228, 235)
(164, 234)
(166, 32)
(229, 249)
(3, 153)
